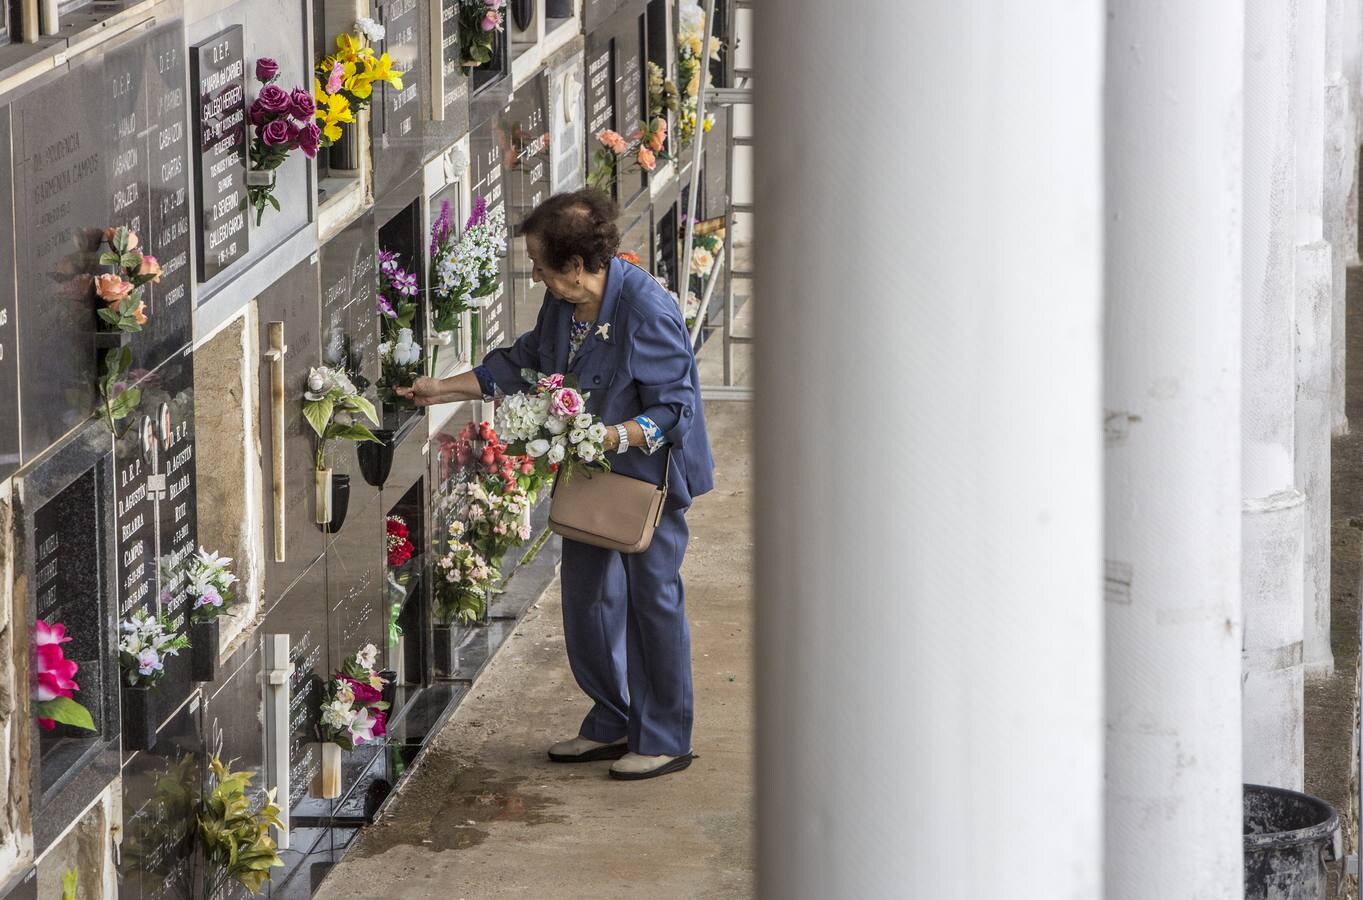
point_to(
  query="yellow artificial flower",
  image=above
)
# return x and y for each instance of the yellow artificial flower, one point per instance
(382, 70)
(324, 67)
(693, 44)
(334, 111)
(358, 81)
(708, 122)
(348, 46)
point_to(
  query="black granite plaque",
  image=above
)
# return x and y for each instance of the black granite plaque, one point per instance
(401, 116)
(160, 794)
(599, 89)
(487, 152)
(9, 350)
(631, 93)
(455, 87)
(527, 186)
(218, 72)
(354, 584)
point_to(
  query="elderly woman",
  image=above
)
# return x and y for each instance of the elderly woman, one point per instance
(613, 326)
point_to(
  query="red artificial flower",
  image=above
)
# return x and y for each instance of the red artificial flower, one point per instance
(363, 692)
(380, 722)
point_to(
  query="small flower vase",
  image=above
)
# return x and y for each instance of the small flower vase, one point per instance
(139, 717)
(322, 479)
(108, 340)
(326, 784)
(376, 460)
(344, 154)
(260, 177)
(400, 660)
(389, 694)
(340, 503)
(204, 646)
(444, 649)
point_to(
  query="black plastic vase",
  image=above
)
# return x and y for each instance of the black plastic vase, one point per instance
(376, 460)
(139, 717)
(204, 646)
(340, 503)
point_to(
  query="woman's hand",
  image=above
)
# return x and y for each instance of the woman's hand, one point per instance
(425, 391)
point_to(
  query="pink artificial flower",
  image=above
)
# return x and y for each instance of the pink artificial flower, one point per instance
(140, 314)
(612, 141)
(491, 20)
(55, 673)
(647, 161)
(109, 237)
(112, 288)
(150, 267)
(551, 382)
(565, 403)
(363, 692)
(380, 723)
(337, 78)
(658, 136)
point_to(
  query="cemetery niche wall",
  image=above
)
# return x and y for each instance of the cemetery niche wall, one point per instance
(154, 127)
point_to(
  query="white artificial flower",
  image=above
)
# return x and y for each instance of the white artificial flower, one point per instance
(370, 29)
(443, 338)
(702, 260)
(368, 656)
(587, 452)
(583, 420)
(555, 426)
(537, 447)
(318, 380)
(555, 454)
(338, 714)
(597, 432)
(576, 435)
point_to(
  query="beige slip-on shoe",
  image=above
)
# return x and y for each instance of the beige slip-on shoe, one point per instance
(580, 749)
(634, 767)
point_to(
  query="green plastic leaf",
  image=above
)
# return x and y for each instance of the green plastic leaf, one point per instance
(363, 406)
(66, 711)
(318, 414)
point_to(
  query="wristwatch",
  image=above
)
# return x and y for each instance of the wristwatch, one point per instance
(623, 432)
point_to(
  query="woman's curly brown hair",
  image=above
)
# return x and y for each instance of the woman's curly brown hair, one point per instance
(580, 223)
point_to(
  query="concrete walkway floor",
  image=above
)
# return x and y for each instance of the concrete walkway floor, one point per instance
(487, 815)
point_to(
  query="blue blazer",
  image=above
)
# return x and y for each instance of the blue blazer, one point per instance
(642, 366)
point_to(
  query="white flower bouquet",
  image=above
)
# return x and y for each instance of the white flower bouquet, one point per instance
(332, 405)
(210, 585)
(551, 425)
(144, 643)
(463, 580)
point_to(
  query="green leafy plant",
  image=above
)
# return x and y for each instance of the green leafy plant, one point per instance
(235, 834)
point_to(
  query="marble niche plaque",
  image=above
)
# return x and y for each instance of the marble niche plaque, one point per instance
(567, 125)
(218, 74)
(450, 87)
(487, 152)
(93, 149)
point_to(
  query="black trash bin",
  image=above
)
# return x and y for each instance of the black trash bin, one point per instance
(1288, 839)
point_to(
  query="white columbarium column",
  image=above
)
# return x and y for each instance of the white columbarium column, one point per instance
(1341, 159)
(1314, 325)
(1175, 74)
(929, 640)
(1273, 521)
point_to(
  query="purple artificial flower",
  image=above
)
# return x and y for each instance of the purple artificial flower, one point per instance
(336, 78)
(386, 308)
(388, 261)
(210, 597)
(404, 283)
(491, 20)
(276, 133)
(301, 105)
(266, 70)
(273, 98)
(440, 230)
(258, 115)
(479, 212)
(309, 139)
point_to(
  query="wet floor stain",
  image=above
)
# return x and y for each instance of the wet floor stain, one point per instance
(454, 812)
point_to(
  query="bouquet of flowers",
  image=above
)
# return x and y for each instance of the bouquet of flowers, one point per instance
(662, 93)
(479, 23)
(52, 694)
(345, 80)
(399, 546)
(550, 424)
(332, 405)
(644, 149)
(399, 353)
(124, 311)
(467, 267)
(463, 580)
(690, 45)
(284, 122)
(353, 709)
(210, 585)
(145, 643)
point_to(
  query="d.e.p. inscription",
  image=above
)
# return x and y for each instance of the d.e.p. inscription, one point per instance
(218, 73)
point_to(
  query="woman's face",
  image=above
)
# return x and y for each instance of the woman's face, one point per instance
(565, 284)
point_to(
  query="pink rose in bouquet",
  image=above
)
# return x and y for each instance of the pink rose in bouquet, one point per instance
(565, 403)
(550, 382)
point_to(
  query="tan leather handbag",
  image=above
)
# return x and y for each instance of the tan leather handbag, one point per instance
(607, 509)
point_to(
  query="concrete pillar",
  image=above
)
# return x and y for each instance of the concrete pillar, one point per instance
(1272, 540)
(1172, 390)
(929, 639)
(1341, 159)
(1314, 324)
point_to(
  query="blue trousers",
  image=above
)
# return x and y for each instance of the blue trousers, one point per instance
(624, 622)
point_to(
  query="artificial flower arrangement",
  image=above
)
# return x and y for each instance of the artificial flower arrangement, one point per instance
(234, 833)
(479, 23)
(467, 267)
(662, 93)
(284, 121)
(332, 405)
(398, 546)
(353, 709)
(690, 45)
(463, 580)
(644, 149)
(399, 353)
(344, 83)
(210, 585)
(55, 686)
(550, 424)
(124, 312)
(495, 502)
(145, 643)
